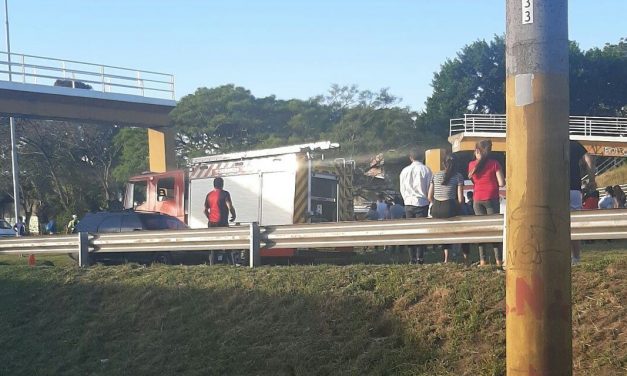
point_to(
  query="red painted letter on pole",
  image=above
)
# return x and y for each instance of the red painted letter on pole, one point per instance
(532, 295)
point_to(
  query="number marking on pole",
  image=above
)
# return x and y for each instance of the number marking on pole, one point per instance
(527, 12)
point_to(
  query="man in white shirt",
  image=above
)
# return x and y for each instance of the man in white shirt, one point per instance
(414, 187)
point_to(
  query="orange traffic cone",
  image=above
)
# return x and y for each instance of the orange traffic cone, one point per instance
(31, 260)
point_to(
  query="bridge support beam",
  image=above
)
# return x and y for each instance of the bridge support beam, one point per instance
(434, 159)
(538, 282)
(161, 149)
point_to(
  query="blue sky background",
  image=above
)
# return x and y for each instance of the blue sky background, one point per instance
(289, 48)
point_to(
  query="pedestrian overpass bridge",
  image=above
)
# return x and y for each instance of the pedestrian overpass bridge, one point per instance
(601, 136)
(55, 89)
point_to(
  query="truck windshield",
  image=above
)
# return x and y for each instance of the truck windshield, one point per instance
(140, 192)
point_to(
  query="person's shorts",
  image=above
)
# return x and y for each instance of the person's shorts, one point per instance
(576, 200)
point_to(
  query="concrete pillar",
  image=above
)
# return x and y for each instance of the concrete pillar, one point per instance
(538, 291)
(161, 149)
(434, 159)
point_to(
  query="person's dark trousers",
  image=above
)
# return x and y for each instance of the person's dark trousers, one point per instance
(416, 252)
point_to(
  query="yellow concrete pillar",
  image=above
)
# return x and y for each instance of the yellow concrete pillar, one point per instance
(434, 159)
(161, 153)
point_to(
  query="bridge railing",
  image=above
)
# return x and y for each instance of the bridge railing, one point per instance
(42, 70)
(585, 225)
(579, 125)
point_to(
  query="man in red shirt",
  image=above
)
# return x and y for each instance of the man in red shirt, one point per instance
(218, 204)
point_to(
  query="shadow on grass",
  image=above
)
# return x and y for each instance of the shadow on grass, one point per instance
(269, 321)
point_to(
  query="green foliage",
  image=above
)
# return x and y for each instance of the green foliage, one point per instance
(218, 120)
(64, 168)
(230, 118)
(597, 80)
(133, 156)
(474, 82)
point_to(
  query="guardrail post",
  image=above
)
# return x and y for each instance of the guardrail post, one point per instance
(83, 249)
(254, 258)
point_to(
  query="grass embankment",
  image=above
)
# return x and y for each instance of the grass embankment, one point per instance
(299, 320)
(615, 176)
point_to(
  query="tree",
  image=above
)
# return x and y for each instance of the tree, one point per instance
(65, 168)
(597, 80)
(132, 144)
(230, 118)
(215, 120)
(474, 82)
(368, 123)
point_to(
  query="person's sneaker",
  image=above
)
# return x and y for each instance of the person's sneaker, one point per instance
(420, 262)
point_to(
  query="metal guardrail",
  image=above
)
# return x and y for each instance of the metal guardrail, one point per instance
(186, 240)
(47, 244)
(579, 125)
(585, 225)
(396, 232)
(106, 78)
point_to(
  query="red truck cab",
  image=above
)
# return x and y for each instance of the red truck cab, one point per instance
(162, 192)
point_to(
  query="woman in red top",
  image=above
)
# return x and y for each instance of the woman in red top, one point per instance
(590, 199)
(487, 176)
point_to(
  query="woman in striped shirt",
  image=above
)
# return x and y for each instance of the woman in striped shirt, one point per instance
(445, 193)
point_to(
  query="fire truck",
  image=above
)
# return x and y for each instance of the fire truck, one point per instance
(278, 186)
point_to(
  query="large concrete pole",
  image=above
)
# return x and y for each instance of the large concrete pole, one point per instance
(539, 324)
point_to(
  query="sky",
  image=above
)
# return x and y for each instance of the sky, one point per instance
(286, 48)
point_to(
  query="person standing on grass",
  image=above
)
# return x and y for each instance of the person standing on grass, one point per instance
(578, 157)
(397, 210)
(590, 199)
(487, 176)
(71, 226)
(372, 214)
(607, 201)
(51, 227)
(382, 207)
(414, 187)
(218, 205)
(619, 196)
(466, 209)
(470, 202)
(19, 227)
(446, 195)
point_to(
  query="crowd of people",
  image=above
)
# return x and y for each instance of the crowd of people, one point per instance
(50, 228)
(440, 195)
(614, 198)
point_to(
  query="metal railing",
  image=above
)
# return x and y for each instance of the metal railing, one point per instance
(42, 70)
(579, 125)
(606, 165)
(585, 225)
